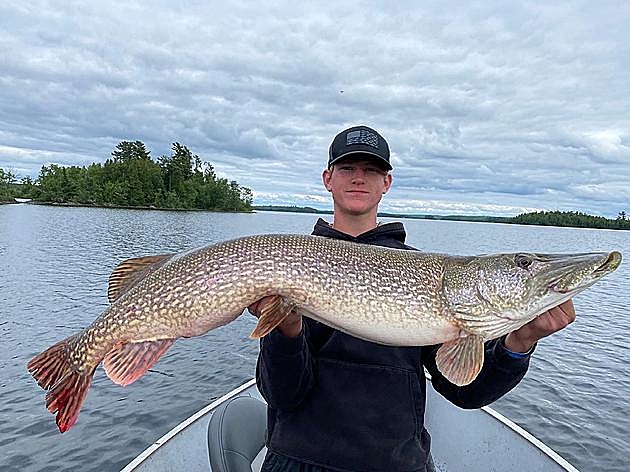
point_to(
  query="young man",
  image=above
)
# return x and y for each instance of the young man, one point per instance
(338, 403)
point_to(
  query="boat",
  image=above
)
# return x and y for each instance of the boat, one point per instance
(228, 436)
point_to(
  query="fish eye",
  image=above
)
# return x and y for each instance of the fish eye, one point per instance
(522, 261)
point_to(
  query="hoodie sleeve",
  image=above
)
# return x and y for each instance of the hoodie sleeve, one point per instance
(500, 373)
(284, 372)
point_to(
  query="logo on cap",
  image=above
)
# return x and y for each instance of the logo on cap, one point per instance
(362, 136)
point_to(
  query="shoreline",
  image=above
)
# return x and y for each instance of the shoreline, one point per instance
(470, 219)
(311, 211)
(121, 207)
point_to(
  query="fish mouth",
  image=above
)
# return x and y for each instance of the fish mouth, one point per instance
(611, 263)
(584, 274)
(555, 288)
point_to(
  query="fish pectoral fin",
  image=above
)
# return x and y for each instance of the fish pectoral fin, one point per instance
(461, 360)
(272, 314)
(127, 362)
(129, 272)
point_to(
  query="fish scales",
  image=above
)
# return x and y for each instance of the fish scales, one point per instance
(389, 296)
(178, 298)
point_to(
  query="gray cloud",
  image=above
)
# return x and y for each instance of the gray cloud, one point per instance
(487, 109)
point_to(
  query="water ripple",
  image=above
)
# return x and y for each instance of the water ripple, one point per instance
(54, 265)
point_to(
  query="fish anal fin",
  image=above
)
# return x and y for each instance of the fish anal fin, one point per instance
(129, 272)
(272, 314)
(127, 362)
(461, 360)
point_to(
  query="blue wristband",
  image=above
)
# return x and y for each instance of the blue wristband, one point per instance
(516, 355)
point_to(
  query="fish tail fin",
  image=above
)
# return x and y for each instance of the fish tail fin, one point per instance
(65, 398)
(66, 386)
(50, 366)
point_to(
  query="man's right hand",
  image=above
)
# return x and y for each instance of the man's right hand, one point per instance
(291, 327)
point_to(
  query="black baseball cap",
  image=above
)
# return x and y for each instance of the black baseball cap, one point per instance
(359, 141)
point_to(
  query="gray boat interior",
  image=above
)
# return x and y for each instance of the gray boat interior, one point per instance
(228, 436)
(236, 434)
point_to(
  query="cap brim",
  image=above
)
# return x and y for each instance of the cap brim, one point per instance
(373, 155)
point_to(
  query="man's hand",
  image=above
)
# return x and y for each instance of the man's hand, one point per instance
(290, 327)
(545, 324)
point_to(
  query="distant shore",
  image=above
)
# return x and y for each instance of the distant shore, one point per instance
(557, 219)
(117, 207)
(309, 210)
(553, 218)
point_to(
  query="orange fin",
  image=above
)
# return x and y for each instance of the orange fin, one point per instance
(129, 272)
(461, 360)
(67, 388)
(51, 365)
(272, 314)
(126, 363)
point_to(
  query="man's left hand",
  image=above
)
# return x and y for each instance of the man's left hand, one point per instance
(524, 338)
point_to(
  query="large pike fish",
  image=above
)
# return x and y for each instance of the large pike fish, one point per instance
(389, 296)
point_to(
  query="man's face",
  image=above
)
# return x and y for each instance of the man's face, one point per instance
(357, 185)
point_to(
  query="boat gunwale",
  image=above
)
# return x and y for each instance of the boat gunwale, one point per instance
(529, 437)
(561, 461)
(183, 425)
(138, 460)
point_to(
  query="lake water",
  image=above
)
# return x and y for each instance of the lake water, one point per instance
(54, 266)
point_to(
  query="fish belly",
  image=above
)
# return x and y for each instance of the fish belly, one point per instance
(392, 329)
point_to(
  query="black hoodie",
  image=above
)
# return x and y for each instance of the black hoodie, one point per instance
(351, 405)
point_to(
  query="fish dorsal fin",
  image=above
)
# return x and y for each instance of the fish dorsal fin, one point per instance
(461, 360)
(126, 363)
(128, 272)
(272, 314)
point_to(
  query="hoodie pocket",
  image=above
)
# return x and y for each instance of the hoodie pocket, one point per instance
(357, 417)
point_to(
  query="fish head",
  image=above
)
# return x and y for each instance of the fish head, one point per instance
(495, 294)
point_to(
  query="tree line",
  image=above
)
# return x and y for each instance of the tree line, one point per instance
(131, 178)
(572, 218)
(543, 218)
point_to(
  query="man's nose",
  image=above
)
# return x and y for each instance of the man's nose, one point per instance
(358, 174)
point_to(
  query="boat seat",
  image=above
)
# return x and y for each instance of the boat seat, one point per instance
(236, 434)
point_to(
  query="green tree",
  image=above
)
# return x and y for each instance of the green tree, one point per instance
(6, 179)
(52, 183)
(131, 178)
(177, 168)
(576, 219)
(130, 150)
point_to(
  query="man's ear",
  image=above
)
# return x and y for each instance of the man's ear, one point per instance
(388, 183)
(326, 175)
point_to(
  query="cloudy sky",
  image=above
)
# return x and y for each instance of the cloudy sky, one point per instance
(489, 107)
